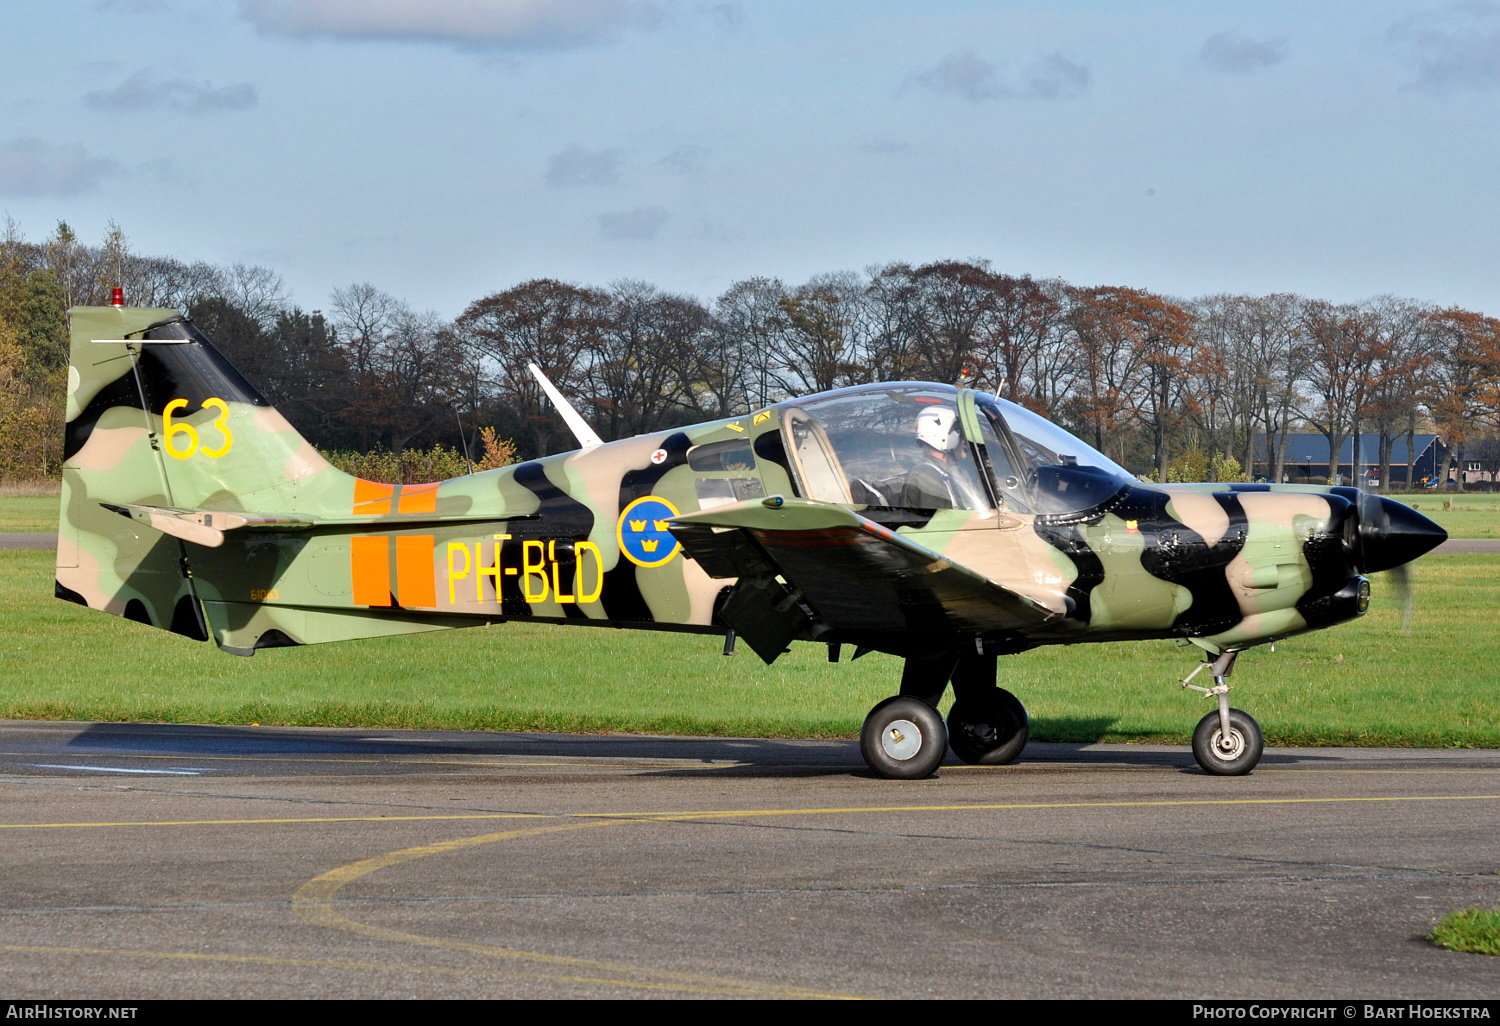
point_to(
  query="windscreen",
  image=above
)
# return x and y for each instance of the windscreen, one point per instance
(1049, 470)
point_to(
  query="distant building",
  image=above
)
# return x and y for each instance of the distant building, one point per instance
(1306, 460)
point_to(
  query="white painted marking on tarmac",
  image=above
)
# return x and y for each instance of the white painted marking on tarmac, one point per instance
(119, 769)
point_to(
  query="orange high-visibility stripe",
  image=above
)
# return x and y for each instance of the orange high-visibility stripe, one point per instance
(418, 498)
(370, 569)
(371, 498)
(415, 585)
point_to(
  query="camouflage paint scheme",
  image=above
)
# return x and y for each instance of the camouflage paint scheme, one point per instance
(189, 503)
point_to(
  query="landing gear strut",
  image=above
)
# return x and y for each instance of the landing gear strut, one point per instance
(1226, 743)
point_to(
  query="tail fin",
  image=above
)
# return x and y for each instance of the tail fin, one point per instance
(162, 429)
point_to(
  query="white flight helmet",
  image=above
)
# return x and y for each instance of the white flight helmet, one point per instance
(935, 427)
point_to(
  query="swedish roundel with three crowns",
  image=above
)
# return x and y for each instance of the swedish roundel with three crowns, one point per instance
(642, 531)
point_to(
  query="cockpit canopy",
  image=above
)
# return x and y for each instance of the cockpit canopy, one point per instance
(925, 446)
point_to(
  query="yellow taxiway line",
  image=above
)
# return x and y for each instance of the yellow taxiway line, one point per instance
(737, 813)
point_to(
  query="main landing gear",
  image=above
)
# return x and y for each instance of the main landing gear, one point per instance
(1226, 743)
(904, 738)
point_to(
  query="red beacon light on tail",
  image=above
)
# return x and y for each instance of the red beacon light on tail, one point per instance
(117, 296)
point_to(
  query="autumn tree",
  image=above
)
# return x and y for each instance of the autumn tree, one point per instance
(1402, 350)
(1021, 316)
(957, 299)
(1106, 363)
(1462, 380)
(1339, 345)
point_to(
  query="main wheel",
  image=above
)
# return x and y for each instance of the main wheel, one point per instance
(903, 739)
(1232, 756)
(990, 730)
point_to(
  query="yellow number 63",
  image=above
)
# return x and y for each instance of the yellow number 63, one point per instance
(171, 429)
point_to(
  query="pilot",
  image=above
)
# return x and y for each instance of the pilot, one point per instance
(929, 484)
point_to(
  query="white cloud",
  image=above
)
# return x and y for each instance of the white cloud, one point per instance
(539, 24)
(141, 91)
(975, 79)
(31, 167)
(1452, 47)
(578, 166)
(1237, 54)
(640, 223)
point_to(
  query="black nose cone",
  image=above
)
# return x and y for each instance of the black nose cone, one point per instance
(1392, 533)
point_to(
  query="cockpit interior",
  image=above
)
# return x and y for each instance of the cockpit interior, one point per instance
(931, 447)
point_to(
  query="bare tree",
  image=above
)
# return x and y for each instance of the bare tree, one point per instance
(364, 316)
(897, 323)
(257, 290)
(818, 345)
(957, 299)
(1106, 362)
(418, 366)
(554, 324)
(748, 319)
(171, 284)
(645, 343)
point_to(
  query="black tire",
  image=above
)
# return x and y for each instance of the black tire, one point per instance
(990, 730)
(903, 739)
(1241, 754)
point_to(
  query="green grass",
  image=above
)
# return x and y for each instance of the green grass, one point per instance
(1363, 683)
(1473, 929)
(1471, 515)
(28, 512)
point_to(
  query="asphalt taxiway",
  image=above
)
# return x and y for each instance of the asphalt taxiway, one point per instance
(168, 861)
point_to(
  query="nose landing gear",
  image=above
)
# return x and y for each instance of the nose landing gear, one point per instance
(1226, 743)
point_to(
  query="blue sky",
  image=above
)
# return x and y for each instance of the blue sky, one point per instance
(447, 149)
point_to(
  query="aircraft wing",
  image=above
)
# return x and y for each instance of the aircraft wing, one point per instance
(853, 573)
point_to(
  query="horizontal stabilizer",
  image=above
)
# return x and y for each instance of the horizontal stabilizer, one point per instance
(854, 573)
(206, 527)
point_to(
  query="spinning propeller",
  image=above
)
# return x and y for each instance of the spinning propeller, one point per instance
(1385, 535)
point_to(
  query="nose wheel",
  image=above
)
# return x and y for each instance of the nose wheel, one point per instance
(903, 739)
(1229, 753)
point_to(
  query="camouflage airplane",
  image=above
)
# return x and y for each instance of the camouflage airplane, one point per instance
(939, 524)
